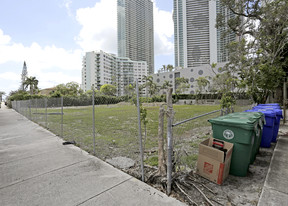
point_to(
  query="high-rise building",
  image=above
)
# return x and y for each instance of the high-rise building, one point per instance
(135, 31)
(196, 39)
(99, 68)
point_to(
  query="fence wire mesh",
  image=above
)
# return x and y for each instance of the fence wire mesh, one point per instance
(116, 127)
(188, 132)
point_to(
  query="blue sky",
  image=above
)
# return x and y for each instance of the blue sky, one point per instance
(52, 37)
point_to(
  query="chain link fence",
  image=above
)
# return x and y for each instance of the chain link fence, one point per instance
(115, 124)
(192, 127)
(114, 128)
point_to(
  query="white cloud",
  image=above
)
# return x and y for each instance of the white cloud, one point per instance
(163, 32)
(10, 76)
(4, 39)
(99, 27)
(51, 79)
(67, 5)
(41, 61)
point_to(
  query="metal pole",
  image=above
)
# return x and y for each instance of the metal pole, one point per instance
(140, 131)
(284, 100)
(169, 139)
(30, 109)
(62, 116)
(46, 123)
(93, 103)
(36, 110)
(202, 115)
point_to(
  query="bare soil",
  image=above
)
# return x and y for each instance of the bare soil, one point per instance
(193, 189)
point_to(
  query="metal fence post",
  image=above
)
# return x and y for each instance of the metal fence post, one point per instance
(93, 106)
(62, 116)
(284, 100)
(36, 113)
(46, 123)
(30, 117)
(140, 131)
(169, 139)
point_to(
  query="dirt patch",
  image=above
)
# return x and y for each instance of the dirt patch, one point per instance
(190, 187)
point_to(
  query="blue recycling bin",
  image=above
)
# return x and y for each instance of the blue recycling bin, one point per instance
(268, 129)
(279, 116)
(270, 104)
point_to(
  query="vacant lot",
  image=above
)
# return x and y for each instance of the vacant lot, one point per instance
(116, 129)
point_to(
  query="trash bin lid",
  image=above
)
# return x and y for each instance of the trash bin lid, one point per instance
(270, 104)
(257, 115)
(266, 112)
(247, 123)
(277, 110)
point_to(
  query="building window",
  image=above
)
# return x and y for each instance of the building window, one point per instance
(200, 72)
(191, 79)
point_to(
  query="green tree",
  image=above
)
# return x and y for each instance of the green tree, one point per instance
(166, 85)
(202, 83)
(181, 85)
(170, 67)
(258, 57)
(151, 87)
(32, 83)
(70, 89)
(17, 95)
(1, 94)
(108, 89)
(129, 90)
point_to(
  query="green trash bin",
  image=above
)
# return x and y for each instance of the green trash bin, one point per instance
(241, 131)
(258, 116)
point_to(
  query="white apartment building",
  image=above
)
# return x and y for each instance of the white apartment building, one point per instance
(196, 40)
(191, 73)
(99, 68)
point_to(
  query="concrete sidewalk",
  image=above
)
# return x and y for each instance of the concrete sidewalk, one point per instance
(275, 190)
(36, 169)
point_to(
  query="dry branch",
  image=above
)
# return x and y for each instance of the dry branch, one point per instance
(185, 194)
(206, 198)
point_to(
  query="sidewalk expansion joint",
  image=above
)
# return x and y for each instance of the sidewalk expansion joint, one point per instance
(271, 188)
(45, 173)
(104, 191)
(41, 153)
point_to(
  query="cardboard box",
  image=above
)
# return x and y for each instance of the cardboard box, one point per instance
(211, 163)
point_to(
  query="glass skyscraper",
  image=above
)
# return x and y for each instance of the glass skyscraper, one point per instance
(196, 39)
(135, 31)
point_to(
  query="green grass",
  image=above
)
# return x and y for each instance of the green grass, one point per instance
(117, 128)
(153, 161)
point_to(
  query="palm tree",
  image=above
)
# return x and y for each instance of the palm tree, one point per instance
(164, 68)
(166, 85)
(170, 67)
(32, 82)
(149, 84)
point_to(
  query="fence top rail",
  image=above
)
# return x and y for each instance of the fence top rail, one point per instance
(202, 115)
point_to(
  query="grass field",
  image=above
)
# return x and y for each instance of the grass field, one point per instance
(117, 129)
